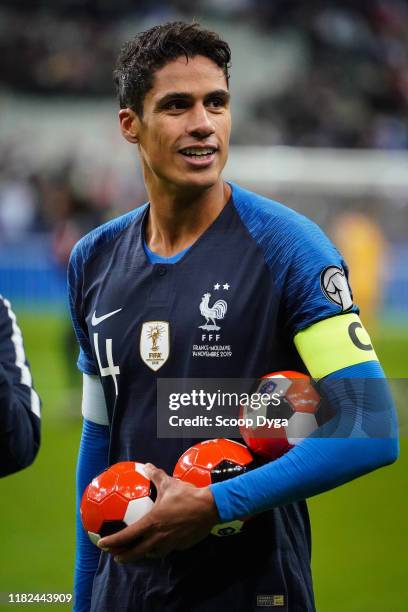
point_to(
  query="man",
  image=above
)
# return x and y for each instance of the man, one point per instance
(283, 286)
(19, 403)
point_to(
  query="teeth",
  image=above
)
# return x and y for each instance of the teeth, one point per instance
(198, 152)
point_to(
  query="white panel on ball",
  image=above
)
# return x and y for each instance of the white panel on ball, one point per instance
(301, 425)
(136, 509)
(140, 468)
(94, 537)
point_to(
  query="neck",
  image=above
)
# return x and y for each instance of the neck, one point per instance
(176, 220)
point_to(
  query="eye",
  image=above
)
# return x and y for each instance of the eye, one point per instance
(216, 102)
(176, 105)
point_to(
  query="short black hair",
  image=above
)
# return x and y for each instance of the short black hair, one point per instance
(149, 51)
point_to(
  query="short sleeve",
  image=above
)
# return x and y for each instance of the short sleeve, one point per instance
(85, 362)
(314, 285)
(308, 272)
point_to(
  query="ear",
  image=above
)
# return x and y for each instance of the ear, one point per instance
(129, 125)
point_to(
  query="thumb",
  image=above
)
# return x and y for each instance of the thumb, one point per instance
(157, 476)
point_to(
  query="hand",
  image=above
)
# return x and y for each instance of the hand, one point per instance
(181, 516)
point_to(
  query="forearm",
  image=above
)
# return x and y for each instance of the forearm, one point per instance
(92, 459)
(19, 426)
(311, 468)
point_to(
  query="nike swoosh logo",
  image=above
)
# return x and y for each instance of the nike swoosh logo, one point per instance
(96, 320)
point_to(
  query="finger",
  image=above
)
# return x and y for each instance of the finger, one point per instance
(157, 476)
(129, 536)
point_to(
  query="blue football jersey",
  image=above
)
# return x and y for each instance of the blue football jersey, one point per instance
(229, 308)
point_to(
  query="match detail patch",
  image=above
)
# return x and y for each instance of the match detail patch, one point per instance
(270, 601)
(335, 287)
(333, 344)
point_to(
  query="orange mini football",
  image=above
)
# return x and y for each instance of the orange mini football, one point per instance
(213, 461)
(295, 409)
(118, 497)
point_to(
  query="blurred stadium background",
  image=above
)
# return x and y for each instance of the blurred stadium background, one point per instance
(320, 108)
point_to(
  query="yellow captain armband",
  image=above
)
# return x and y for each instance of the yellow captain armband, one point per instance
(333, 344)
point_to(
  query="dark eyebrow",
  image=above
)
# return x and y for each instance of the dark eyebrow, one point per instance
(171, 97)
(220, 93)
(181, 95)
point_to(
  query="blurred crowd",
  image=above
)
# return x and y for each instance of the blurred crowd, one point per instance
(48, 203)
(352, 90)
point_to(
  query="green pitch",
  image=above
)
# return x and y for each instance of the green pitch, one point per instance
(359, 534)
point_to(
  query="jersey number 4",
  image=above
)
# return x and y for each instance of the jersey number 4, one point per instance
(111, 369)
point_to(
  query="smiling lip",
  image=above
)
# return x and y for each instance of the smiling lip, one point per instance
(199, 162)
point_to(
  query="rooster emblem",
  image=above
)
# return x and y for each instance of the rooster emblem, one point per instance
(210, 313)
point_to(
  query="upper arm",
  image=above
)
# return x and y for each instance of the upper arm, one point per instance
(19, 402)
(93, 400)
(13, 359)
(339, 353)
(86, 362)
(332, 341)
(317, 303)
(334, 344)
(314, 279)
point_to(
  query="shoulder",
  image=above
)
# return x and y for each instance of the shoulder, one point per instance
(11, 340)
(3, 303)
(101, 236)
(282, 233)
(264, 217)
(7, 316)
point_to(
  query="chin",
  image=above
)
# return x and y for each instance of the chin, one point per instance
(205, 180)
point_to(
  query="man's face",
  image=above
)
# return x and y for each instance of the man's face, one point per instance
(184, 133)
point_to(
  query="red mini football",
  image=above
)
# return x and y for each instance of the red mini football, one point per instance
(213, 461)
(297, 413)
(118, 497)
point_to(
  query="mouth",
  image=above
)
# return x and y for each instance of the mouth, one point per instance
(199, 156)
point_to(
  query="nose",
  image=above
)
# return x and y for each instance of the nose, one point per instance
(200, 123)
